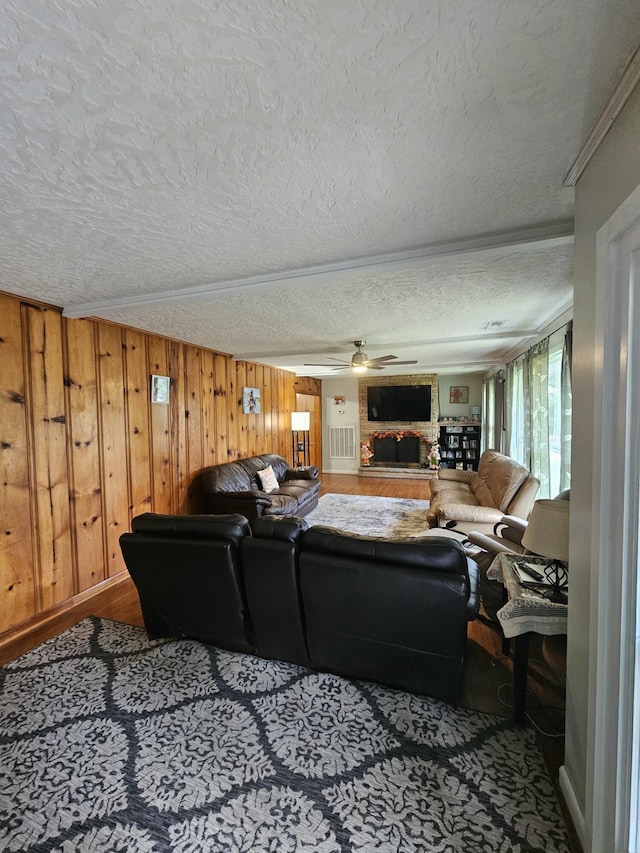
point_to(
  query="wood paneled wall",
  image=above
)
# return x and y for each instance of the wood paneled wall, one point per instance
(83, 449)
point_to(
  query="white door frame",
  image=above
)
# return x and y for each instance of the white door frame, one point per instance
(613, 739)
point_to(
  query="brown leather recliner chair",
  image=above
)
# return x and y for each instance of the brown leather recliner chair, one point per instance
(506, 537)
(475, 500)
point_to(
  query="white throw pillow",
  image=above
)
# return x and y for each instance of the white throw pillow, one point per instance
(268, 479)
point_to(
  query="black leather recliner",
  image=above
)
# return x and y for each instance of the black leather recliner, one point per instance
(392, 611)
(188, 574)
(270, 560)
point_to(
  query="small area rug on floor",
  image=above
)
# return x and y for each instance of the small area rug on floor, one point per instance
(371, 516)
(112, 742)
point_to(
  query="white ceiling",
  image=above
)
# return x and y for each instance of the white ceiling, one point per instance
(276, 179)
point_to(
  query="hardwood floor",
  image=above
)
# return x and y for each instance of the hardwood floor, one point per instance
(385, 487)
(487, 671)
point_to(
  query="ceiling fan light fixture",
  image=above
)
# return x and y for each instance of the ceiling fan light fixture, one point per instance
(359, 368)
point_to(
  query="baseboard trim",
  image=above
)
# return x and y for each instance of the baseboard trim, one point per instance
(31, 633)
(572, 807)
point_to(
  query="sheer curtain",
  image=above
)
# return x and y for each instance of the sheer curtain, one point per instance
(566, 404)
(538, 411)
(493, 406)
(539, 398)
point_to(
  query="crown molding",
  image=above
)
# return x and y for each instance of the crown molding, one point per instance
(622, 91)
(551, 235)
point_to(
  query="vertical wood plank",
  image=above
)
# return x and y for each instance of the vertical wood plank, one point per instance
(84, 451)
(259, 443)
(114, 442)
(48, 431)
(223, 444)
(242, 420)
(194, 423)
(193, 411)
(233, 409)
(137, 392)
(161, 467)
(208, 409)
(17, 581)
(267, 398)
(177, 408)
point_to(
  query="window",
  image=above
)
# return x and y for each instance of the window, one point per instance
(538, 411)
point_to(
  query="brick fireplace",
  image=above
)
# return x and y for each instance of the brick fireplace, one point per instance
(410, 453)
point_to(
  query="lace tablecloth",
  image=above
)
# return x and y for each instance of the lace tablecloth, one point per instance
(526, 610)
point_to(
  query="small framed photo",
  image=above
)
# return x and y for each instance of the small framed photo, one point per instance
(459, 394)
(338, 401)
(159, 389)
(251, 401)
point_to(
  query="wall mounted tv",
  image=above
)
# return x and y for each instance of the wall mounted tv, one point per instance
(399, 402)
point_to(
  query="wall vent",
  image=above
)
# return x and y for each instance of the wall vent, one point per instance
(342, 442)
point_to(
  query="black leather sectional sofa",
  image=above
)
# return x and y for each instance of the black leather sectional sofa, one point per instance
(394, 612)
(236, 487)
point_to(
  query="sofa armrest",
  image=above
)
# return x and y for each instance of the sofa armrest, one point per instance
(250, 495)
(279, 528)
(455, 474)
(511, 527)
(514, 522)
(466, 512)
(489, 544)
(304, 472)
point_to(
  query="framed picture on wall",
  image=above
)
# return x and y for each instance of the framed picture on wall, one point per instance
(459, 394)
(159, 389)
(251, 401)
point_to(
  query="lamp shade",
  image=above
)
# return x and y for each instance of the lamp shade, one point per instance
(300, 421)
(547, 532)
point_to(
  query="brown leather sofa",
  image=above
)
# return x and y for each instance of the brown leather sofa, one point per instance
(476, 500)
(235, 487)
(394, 612)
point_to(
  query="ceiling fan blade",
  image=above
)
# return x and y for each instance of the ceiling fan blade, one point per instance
(401, 362)
(382, 358)
(335, 367)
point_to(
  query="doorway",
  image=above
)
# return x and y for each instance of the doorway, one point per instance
(613, 746)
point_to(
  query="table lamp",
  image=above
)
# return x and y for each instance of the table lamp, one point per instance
(547, 535)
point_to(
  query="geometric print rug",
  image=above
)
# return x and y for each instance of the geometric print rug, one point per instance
(112, 742)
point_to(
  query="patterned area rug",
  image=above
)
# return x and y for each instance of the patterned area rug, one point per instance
(371, 516)
(112, 742)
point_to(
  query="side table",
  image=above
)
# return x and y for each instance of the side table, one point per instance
(525, 612)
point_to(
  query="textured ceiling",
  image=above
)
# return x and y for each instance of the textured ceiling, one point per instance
(150, 149)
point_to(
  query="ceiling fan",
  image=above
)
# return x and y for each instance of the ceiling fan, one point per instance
(360, 361)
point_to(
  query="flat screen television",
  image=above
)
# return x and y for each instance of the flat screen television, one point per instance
(399, 402)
